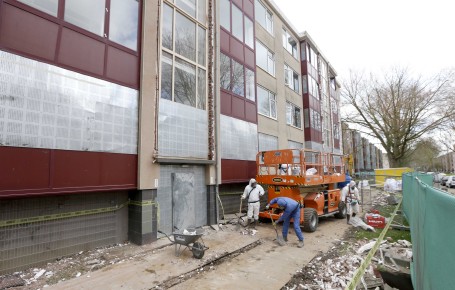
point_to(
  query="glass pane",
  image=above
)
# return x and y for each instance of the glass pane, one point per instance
(201, 89)
(166, 76)
(238, 81)
(272, 105)
(167, 30)
(189, 6)
(288, 114)
(185, 83)
(261, 56)
(296, 82)
(201, 11)
(237, 22)
(297, 118)
(87, 14)
(249, 33)
(47, 6)
(123, 22)
(201, 46)
(269, 22)
(271, 63)
(225, 14)
(225, 72)
(263, 102)
(250, 84)
(185, 37)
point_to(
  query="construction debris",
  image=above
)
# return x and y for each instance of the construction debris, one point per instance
(334, 271)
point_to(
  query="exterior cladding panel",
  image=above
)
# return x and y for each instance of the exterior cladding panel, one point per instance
(30, 171)
(233, 171)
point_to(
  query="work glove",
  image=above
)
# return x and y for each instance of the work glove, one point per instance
(242, 197)
(267, 207)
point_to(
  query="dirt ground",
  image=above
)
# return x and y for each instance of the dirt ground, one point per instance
(234, 259)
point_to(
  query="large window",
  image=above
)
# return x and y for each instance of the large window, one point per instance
(264, 16)
(237, 78)
(265, 58)
(47, 6)
(183, 60)
(290, 43)
(291, 78)
(266, 102)
(293, 115)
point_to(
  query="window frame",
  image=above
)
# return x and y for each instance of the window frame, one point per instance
(290, 74)
(270, 58)
(271, 98)
(293, 114)
(288, 46)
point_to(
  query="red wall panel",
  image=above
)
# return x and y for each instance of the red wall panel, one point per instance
(30, 171)
(224, 40)
(250, 58)
(122, 66)
(250, 112)
(226, 103)
(248, 8)
(236, 49)
(238, 107)
(23, 168)
(20, 30)
(80, 51)
(237, 170)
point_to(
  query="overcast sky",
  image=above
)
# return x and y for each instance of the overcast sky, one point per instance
(376, 35)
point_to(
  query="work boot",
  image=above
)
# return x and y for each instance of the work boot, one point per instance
(300, 245)
(250, 223)
(285, 239)
(256, 222)
(348, 217)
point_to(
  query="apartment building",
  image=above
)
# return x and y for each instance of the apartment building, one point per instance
(122, 117)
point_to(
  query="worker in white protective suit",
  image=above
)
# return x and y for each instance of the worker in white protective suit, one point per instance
(252, 194)
(350, 196)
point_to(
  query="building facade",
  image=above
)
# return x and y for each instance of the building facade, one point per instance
(122, 117)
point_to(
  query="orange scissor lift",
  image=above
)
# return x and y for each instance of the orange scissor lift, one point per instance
(309, 177)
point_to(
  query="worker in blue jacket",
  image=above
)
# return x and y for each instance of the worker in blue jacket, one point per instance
(291, 210)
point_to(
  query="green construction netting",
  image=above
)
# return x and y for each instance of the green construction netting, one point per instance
(431, 216)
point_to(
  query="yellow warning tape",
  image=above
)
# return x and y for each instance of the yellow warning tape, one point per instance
(50, 217)
(361, 270)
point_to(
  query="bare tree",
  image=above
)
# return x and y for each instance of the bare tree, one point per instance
(398, 109)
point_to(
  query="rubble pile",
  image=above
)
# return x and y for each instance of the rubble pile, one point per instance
(335, 269)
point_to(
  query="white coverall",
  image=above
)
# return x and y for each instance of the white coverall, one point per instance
(253, 194)
(351, 198)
